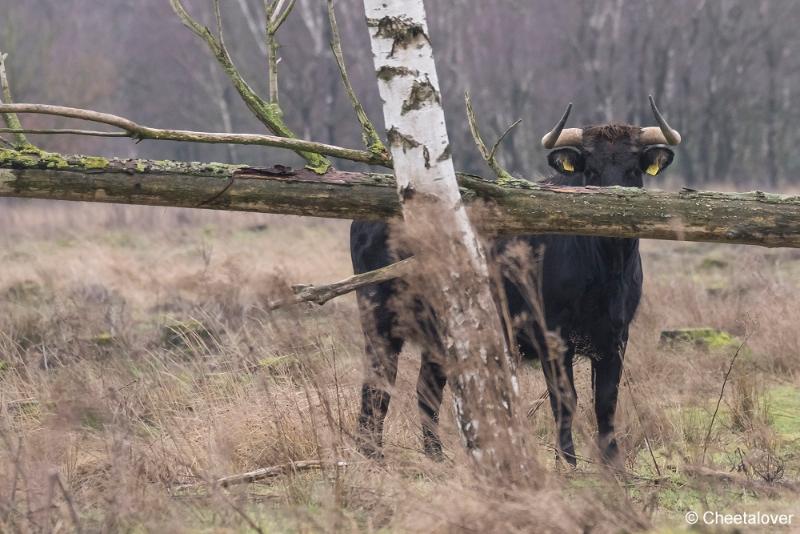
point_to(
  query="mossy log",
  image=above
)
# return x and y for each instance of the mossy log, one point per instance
(520, 206)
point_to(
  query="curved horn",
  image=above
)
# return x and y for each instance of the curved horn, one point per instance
(663, 134)
(558, 136)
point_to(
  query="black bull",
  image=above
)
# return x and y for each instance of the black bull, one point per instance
(590, 288)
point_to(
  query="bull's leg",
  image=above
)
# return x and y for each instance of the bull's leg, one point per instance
(563, 398)
(381, 371)
(606, 375)
(430, 385)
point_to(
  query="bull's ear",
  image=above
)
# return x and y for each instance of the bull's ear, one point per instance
(566, 160)
(655, 159)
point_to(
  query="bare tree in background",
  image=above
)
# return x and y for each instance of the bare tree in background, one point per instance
(726, 70)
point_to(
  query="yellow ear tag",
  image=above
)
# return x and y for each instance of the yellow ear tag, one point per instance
(653, 169)
(567, 165)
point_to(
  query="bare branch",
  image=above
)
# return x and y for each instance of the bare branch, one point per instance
(220, 30)
(62, 131)
(267, 112)
(488, 155)
(369, 134)
(496, 144)
(272, 53)
(275, 17)
(74, 113)
(267, 472)
(322, 294)
(278, 18)
(11, 119)
(137, 131)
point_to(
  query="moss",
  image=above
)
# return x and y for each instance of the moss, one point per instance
(272, 362)
(510, 181)
(35, 158)
(17, 158)
(378, 149)
(709, 338)
(177, 333)
(93, 162)
(713, 263)
(38, 159)
(103, 339)
(51, 160)
(319, 166)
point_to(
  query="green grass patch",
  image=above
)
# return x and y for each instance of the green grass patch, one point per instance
(784, 411)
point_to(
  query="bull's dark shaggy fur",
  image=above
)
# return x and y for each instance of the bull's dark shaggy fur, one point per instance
(591, 288)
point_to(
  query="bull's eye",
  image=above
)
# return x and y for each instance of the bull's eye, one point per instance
(566, 160)
(655, 159)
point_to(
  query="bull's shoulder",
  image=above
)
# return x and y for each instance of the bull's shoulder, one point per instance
(370, 247)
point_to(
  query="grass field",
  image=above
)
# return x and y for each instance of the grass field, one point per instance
(139, 361)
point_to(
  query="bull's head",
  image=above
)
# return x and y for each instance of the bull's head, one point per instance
(615, 154)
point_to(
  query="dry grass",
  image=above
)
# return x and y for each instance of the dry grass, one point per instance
(137, 355)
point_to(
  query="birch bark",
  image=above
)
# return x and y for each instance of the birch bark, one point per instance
(480, 371)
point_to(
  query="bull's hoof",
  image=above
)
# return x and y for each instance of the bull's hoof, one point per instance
(567, 456)
(609, 454)
(570, 461)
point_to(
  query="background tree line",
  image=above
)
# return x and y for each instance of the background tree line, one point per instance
(725, 72)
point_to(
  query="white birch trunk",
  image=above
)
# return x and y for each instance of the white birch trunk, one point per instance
(480, 371)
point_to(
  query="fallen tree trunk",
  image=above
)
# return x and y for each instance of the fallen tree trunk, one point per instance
(521, 207)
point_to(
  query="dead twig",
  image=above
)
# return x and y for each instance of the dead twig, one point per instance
(488, 155)
(719, 400)
(639, 417)
(701, 471)
(369, 134)
(265, 473)
(538, 403)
